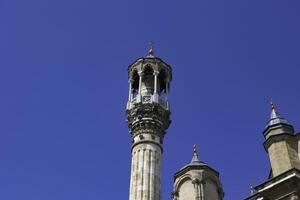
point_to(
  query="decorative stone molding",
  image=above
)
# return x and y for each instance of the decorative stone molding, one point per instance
(148, 118)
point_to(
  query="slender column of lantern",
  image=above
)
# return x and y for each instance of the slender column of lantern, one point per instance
(167, 94)
(130, 90)
(140, 81)
(155, 73)
(140, 84)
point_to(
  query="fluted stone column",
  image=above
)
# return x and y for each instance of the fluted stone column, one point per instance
(145, 172)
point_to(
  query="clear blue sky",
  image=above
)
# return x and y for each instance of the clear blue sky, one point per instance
(63, 90)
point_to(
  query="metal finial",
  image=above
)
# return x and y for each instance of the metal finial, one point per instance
(195, 150)
(195, 160)
(274, 113)
(195, 155)
(272, 104)
(252, 190)
(151, 50)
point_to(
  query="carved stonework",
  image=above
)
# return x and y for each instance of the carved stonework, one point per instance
(148, 118)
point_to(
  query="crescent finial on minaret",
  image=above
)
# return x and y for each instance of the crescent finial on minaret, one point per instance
(195, 150)
(195, 155)
(252, 190)
(151, 50)
(272, 104)
(274, 113)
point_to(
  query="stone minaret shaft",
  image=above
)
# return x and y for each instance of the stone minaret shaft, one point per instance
(148, 117)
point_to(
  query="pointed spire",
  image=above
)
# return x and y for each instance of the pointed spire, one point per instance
(274, 113)
(195, 155)
(195, 160)
(252, 190)
(275, 118)
(151, 50)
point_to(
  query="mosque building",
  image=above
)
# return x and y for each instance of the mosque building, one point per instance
(148, 117)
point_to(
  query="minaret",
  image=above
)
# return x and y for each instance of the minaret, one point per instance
(148, 117)
(197, 181)
(282, 144)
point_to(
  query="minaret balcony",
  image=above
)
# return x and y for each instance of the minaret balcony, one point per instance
(147, 99)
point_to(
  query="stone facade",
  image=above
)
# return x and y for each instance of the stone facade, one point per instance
(148, 118)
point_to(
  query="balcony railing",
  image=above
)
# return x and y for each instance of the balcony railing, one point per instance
(147, 99)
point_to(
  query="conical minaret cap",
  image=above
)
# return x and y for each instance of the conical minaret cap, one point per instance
(275, 118)
(195, 159)
(195, 155)
(196, 164)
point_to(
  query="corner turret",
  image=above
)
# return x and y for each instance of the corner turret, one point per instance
(197, 181)
(281, 144)
(283, 147)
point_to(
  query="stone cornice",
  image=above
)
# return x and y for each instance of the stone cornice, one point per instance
(291, 173)
(149, 59)
(276, 126)
(192, 167)
(288, 175)
(145, 142)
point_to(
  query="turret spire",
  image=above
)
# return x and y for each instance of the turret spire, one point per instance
(203, 182)
(275, 118)
(195, 155)
(252, 190)
(151, 50)
(274, 113)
